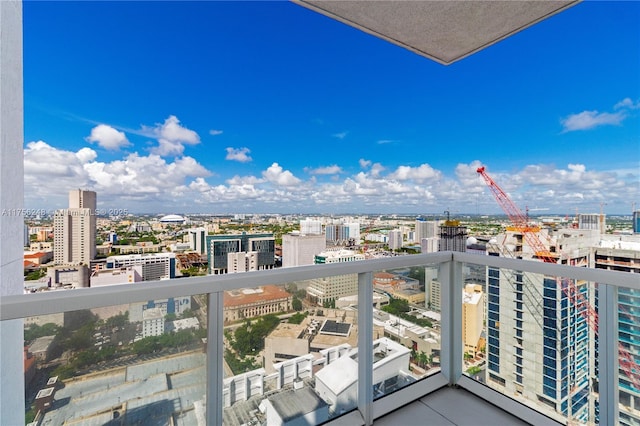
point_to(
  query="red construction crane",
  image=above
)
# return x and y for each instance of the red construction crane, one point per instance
(577, 299)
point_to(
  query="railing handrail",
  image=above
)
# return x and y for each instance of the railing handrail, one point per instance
(27, 305)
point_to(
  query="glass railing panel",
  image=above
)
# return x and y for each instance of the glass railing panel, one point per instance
(533, 338)
(406, 327)
(291, 351)
(124, 364)
(474, 333)
(629, 356)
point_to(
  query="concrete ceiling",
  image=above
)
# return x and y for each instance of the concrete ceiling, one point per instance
(445, 31)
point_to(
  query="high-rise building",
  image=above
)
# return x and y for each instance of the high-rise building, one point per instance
(426, 229)
(74, 230)
(198, 240)
(310, 226)
(592, 221)
(395, 239)
(219, 247)
(299, 249)
(453, 236)
(429, 245)
(636, 222)
(343, 234)
(472, 316)
(624, 255)
(79, 199)
(539, 344)
(353, 231)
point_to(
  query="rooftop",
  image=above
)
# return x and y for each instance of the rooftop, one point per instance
(263, 294)
(293, 403)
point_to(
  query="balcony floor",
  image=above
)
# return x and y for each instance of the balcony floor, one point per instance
(446, 406)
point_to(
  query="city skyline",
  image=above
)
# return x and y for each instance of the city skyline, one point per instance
(267, 107)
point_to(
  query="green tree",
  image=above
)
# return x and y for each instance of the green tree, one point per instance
(423, 359)
(331, 303)
(64, 371)
(249, 338)
(297, 318)
(396, 306)
(33, 331)
(35, 275)
(119, 320)
(187, 313)
(296, 304)
(472, 371)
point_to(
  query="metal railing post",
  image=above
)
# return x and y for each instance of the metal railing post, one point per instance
(215, 358)
(365, 346)
(608, 353)
(451, 352)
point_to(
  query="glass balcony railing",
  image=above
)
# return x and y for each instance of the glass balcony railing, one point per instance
(538, 340)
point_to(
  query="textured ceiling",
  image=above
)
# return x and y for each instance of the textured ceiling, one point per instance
(444, 31)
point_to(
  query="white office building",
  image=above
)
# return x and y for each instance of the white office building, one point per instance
(426, 229)
(300, 249)
(155, 266)
(198, 240)
(152, 322)
(324, 290)
(310, 226)
(395, 239)
(592, 221)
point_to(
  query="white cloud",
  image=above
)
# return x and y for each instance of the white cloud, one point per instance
(86, 155)
(385, 141)
(589, 119)
(244, 180)
(275, 174)
(214, 132)
(171, 136)
(586, 120)
(108, 137)
(377, 169)
(151, 183)
(419, 174)
(364, 163)
(329, 170)
(627, 103)
(238, 154)
(51, 172)
(42, 161)
(340, 135)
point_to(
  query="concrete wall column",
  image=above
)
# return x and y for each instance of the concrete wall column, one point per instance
(11, 204)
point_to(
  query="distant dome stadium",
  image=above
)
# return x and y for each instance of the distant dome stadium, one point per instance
(172, 218)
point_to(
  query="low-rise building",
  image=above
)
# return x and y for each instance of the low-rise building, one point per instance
(124, 275)
(76, 276)
(295, 406)
(254, 302)
(337, 382)
(313, 336)
(152, 322)
(155, 266)
(41, 347)
(39, 257)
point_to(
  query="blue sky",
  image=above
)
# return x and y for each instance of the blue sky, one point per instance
(240, 107)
